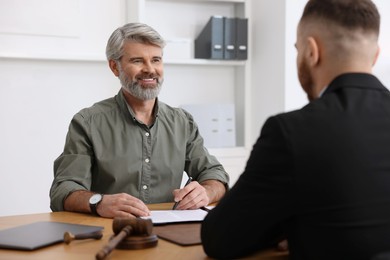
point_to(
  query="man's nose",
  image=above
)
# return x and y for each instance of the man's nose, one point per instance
(147, 67)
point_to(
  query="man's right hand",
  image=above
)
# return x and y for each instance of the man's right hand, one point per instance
(112, 205)
(122, 205)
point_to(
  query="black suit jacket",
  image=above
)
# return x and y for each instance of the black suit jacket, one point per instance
(319, 175)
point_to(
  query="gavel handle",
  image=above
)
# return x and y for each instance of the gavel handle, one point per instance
(106, 250)
(68, 237)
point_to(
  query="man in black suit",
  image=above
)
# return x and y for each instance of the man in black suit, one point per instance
(319, 176)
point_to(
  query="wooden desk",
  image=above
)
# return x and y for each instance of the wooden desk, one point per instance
(87, 249)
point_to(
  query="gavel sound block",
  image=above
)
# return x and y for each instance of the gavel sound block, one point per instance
(140, 235)
(129, 233)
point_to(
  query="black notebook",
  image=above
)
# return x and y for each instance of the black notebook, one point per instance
(184, 234)
(40, 234)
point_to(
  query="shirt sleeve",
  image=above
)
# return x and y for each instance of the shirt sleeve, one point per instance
(200, 164)
(72, 169)
(251, 215)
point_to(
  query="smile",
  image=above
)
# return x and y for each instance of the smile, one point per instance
(152, 79)
(148, 80)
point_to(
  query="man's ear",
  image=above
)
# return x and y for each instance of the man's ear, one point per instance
(114, 67)
(312, 51)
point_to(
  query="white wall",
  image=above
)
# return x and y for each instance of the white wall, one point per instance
(268, 59)
(382, 68)
(295, 97)
(64, 71)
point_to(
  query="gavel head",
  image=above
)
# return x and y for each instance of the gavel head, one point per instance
(139, 226)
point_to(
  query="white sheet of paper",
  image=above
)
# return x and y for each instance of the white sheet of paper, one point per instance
(176, 216)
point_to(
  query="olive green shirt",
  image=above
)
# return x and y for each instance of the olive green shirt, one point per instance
(108, 151)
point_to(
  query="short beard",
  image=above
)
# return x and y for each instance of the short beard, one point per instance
(136, 90)
(306, 80)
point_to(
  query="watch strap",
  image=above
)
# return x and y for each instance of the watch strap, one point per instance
(93, 207)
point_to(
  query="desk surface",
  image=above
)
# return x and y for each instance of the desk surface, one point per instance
(87, 249)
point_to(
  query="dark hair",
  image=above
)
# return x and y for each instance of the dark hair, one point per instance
(350, 14)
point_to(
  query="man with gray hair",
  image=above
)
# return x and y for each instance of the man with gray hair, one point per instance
(318, 176)
(131, 150)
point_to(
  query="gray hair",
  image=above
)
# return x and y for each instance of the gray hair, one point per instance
(133, 32)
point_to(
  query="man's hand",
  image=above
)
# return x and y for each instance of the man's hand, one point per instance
(122, 205)
(196, 195)
(112, 205)
(191, 196)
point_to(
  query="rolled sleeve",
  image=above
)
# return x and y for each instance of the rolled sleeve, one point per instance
(199, 162)
(72, 169)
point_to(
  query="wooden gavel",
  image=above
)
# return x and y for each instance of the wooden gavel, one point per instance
(125, 227)
(69, 237)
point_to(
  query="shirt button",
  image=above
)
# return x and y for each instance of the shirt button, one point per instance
(144, 187)
(147, 134)
(147, 160)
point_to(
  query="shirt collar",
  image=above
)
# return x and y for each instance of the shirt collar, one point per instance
(155, 111)
(322, 91)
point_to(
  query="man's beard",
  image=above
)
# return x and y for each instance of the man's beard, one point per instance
(137, 90)
(306, 80)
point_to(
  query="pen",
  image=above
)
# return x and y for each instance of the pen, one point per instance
(177, 203)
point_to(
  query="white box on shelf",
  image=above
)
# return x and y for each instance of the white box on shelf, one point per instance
(178, 49)
(216, 123)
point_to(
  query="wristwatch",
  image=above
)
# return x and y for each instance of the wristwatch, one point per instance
(94, 202)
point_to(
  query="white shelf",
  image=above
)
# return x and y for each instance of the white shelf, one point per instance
(204, 62)
(207, 1)
(233, 160)
(101, 58)
(229, 152)
(50, 57)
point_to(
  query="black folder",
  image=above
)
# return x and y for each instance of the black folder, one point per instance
(40, 234)
(241, 38)
(223, 38)
(209, 43)
(229, 50)
(184, 234)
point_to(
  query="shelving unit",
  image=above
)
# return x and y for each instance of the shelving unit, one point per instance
(201, 81)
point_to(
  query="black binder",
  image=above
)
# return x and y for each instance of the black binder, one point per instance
(241, 38)
(229, 35)
(209, 43)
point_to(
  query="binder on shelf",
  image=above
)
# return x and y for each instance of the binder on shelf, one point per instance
(209, 43)
(223, 38)
(241, 38)
(229, 36)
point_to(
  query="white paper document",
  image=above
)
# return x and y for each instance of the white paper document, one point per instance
(176, 216)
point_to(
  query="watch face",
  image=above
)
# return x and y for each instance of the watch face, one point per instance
(95, 198)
